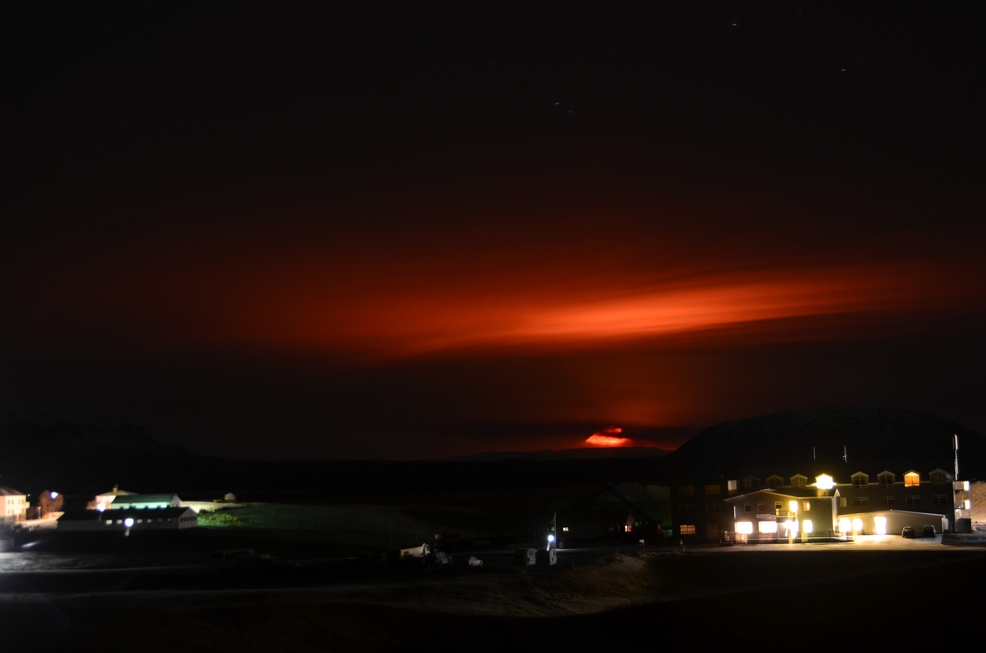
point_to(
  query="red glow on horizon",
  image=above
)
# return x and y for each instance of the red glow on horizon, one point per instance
(608, 437)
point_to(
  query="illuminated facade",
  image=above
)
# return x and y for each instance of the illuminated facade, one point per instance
(104, 500)
(797, 508)
(14, 505)
(136, 519)
(772, 514)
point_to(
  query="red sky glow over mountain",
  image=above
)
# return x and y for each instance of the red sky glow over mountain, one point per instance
(407, 234)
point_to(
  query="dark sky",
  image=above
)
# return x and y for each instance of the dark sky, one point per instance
(401, 232)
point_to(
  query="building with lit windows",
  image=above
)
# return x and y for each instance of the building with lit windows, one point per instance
(127, 519)
(14, 505)
(888, 468)
(775, 508)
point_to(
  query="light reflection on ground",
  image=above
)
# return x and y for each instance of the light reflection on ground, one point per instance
(21, 561)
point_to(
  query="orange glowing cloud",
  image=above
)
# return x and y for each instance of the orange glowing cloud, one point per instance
(399, 302)
(611, 436)
(608, 437)
(419, 322)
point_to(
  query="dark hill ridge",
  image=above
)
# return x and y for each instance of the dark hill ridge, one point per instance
(593, 453)
(42, 451)
(39, 453)
(874, 439)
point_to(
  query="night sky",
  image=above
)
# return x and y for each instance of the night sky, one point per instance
(407, 232)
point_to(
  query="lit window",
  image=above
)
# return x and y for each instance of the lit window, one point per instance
(713, 489)
(807, 526)
(842, 502)
(744, 527)
(767, 527)
(688, 529)
(912, 479)
(857, 524)
(777, 506)
(880, 525)
(806, 505)
(845, 525)
(732, 486)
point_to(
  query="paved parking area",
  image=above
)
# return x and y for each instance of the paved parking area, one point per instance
(866, 542)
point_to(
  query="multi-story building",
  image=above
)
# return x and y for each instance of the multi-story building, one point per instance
(14, 505)
(777, 507)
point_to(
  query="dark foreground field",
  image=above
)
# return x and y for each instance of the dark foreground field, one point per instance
(901, 599)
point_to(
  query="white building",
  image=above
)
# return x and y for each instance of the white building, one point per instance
(136, 519)
(104, 500)
(121, 500)
(14, 505)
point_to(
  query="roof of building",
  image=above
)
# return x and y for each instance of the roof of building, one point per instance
(795, 493)
(165, 497)
(10, 492)
(116, 491)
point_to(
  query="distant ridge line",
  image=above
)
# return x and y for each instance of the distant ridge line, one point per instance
(587, 453)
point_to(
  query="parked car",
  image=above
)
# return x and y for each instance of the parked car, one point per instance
(928, 531)
(474, 562)
(908, 531)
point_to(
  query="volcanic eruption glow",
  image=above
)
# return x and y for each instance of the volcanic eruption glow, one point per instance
(608, 437)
